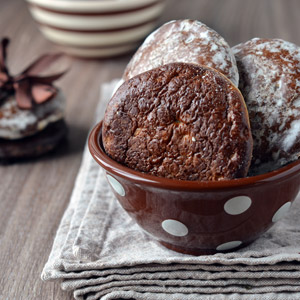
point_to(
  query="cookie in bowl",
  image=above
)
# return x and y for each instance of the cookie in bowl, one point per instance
(188, 41)
(213, 216)
(270, 83)
(179, 121)
(31, 109)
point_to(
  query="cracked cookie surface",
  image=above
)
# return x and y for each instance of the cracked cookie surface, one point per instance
(179, 121)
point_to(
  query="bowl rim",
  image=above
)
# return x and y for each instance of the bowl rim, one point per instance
(118, 169)
(91, 5)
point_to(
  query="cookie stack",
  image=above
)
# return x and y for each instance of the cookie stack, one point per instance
(192, 108)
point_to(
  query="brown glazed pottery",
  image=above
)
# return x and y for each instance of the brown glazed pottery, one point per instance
(196, 217)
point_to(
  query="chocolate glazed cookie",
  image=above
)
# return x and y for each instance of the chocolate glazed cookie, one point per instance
(187, 41)
(270, 82)
(179, 121)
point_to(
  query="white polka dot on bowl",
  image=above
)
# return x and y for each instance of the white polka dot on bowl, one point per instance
(228, 245)
(174, 227)
(237, 205)
(116, 185)
(281, 212)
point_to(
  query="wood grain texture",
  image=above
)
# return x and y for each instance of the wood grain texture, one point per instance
(34, 195)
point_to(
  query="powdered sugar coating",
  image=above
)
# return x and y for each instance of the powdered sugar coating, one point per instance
(186, 41)
(270, 83)
(16, 123)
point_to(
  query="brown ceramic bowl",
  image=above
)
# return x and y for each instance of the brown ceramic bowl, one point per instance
(200, 217)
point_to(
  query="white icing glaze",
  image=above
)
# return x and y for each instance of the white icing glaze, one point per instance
(291, 135)
(270, 83)
(16, 123)
(297, 102)
(184, 41)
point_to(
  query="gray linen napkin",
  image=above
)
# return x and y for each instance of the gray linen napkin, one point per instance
(100, 253)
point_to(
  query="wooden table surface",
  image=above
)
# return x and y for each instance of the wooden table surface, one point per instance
(35, 194)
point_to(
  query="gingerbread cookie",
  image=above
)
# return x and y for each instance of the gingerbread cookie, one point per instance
(31, 108)
(186, 41)
(270, 83)
(17, 123)
(180, 121)
(34, 145)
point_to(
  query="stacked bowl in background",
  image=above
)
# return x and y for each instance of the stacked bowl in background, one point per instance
(96, 28)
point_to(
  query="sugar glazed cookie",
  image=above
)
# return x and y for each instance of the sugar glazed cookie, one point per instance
(31, 109)
(186, 41)
(35, 145)
(17, 123)
(33, 132)
(270, 83)
(179, 121)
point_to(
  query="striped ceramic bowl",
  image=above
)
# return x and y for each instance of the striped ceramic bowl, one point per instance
(96, 28)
